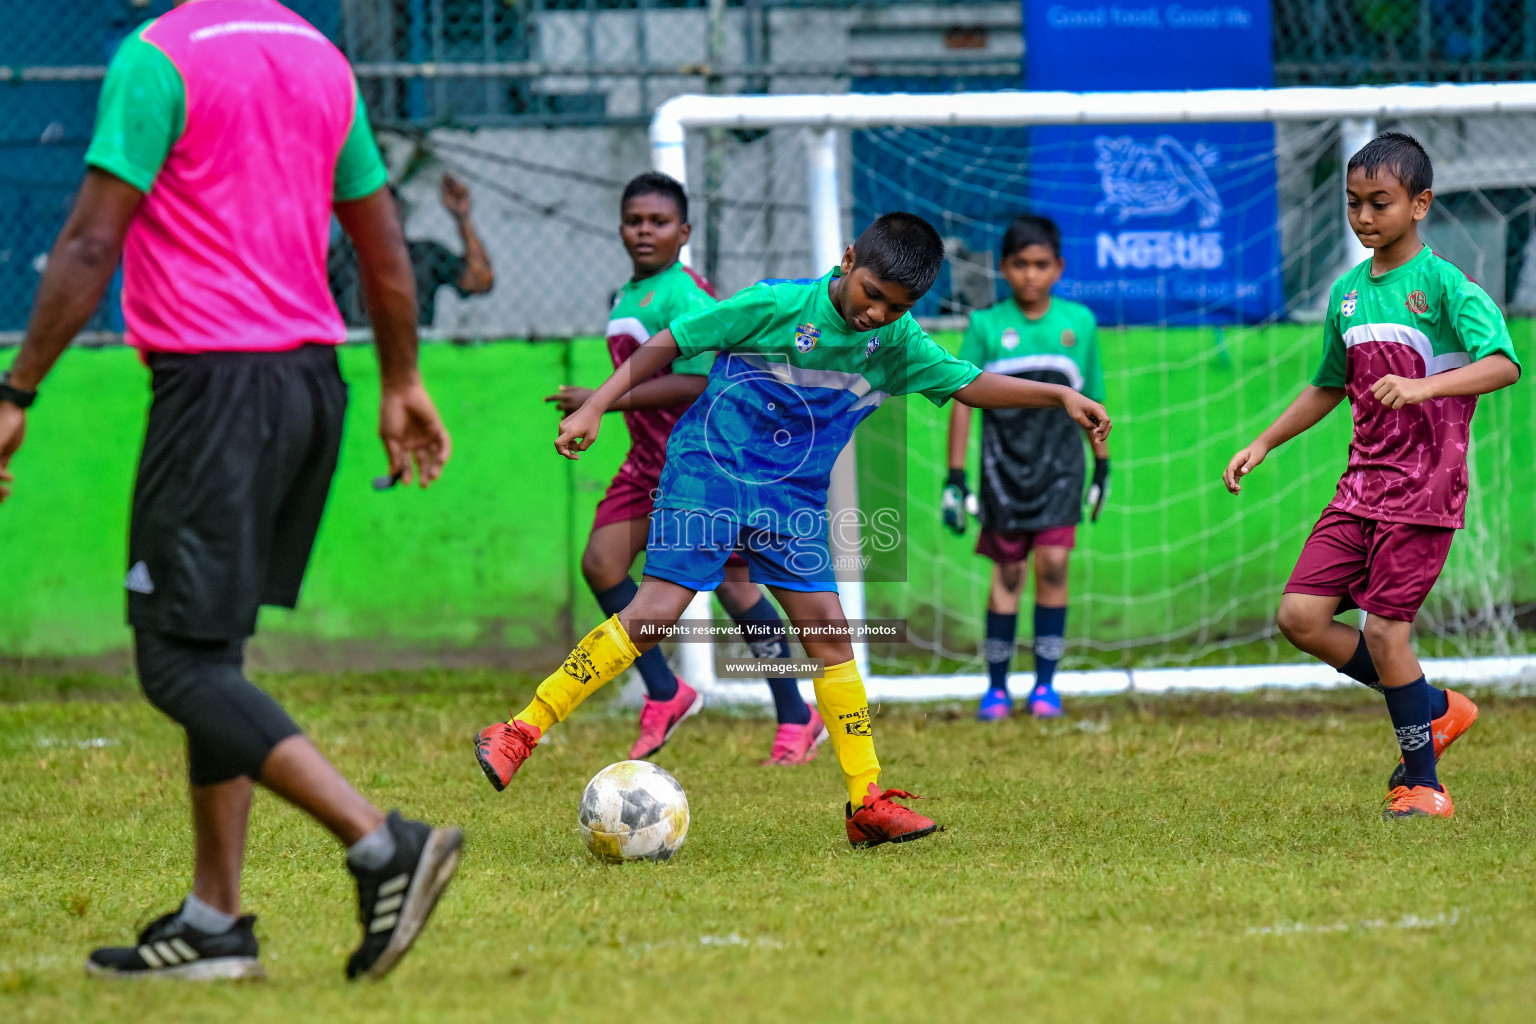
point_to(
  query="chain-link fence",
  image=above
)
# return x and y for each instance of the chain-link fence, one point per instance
(540, 107)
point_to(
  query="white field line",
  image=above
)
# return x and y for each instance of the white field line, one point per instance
(1509, 671)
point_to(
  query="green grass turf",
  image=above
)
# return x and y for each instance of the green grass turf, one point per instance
(1212, 859)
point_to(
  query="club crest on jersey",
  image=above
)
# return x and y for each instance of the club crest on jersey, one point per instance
(1068, 338)
(1347, 307)
(872, 347)
(650, 297)
(1010, 339)
(806, 336)
(1418, 302)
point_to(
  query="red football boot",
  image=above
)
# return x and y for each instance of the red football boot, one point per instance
(1417, 802)
(881, 820)
(1459, 715)
(502, 748)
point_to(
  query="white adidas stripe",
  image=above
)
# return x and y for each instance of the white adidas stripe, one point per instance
(383, 923)
(188, 954)
(150, 957)
(389, 904)
(394, 885)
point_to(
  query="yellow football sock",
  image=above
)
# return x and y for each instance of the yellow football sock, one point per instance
(844, 707)
(599, 658)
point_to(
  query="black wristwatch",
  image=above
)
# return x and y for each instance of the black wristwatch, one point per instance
(16, 396)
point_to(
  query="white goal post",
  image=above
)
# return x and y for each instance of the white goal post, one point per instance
(1357, 110)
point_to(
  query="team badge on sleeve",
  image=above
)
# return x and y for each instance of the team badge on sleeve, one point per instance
(806, 336)
(1347, 307)
(1010, 339)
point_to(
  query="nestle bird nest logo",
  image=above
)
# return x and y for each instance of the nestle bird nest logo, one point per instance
(1156, 178)
(1418, 302)
(806, 336)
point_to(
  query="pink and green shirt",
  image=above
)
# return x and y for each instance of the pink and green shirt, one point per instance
(242, 124)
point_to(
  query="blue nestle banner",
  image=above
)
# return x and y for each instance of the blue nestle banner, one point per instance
(1160, 223)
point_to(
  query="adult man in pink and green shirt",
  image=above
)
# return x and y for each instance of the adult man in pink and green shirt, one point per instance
(228, 132)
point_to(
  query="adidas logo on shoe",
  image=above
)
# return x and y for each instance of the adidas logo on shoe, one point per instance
(386, 912)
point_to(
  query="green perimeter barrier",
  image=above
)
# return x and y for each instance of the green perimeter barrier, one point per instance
(483, 567)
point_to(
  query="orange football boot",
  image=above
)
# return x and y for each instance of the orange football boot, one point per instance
(1417, 802)
(1458, 718)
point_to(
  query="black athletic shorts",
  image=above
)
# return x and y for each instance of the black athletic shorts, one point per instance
(237, 464)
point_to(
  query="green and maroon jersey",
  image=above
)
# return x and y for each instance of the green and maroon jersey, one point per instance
(641, 309)
(1407, 465)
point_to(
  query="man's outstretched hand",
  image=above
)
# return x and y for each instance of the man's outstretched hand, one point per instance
(13, 427)
(413, 432)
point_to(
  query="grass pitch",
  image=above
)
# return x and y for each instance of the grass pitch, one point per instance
(1178, 859)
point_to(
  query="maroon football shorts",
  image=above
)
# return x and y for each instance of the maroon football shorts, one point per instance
(1385, 568)
(1007, 546)
(629, 496)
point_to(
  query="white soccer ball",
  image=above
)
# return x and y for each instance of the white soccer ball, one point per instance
(633, 810)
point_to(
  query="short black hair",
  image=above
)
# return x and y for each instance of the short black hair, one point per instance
(902, 248)
(1030, 229)
(654, 183)
(1400, 155)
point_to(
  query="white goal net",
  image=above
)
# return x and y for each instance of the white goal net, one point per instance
(1205, 230)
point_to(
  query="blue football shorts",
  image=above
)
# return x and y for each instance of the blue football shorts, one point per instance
(690, 548)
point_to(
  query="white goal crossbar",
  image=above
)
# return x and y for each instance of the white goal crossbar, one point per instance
(1357, 109)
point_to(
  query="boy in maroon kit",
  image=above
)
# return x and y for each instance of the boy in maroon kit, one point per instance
(1411, 342)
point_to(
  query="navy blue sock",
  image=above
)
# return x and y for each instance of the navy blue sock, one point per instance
(1439, 703)
(1409, 707)
(1001, 633)
(660, 683)
(765, 635)
(1050, 640)
(1362, 669)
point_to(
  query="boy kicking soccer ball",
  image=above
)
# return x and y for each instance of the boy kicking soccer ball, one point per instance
(653, 224)
(1032, 464)
(800, 365)
(1412, 343)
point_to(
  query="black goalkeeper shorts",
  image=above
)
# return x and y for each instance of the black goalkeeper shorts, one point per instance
(237, 464)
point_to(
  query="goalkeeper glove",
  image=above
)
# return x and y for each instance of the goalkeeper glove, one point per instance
(1098, 490)
(957, 502)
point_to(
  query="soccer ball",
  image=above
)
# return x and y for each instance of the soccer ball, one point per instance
(633, 810)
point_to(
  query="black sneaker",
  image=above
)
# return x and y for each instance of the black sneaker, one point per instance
(394, 902)
(169, 948)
